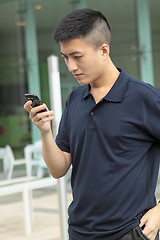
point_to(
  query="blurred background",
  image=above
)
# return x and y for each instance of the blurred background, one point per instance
(26, 40)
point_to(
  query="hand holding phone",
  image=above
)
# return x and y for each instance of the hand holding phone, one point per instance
(42, 121)
(35, 101)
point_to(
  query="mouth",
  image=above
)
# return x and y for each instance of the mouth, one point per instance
(78, 75)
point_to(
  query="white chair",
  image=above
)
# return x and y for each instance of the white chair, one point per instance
(12, 162)
(34, 157)
(4, 158)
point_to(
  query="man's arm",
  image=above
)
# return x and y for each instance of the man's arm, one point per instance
(57, 161)
(151, 222)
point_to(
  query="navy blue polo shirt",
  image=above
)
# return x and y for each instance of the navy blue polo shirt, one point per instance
(115, 154)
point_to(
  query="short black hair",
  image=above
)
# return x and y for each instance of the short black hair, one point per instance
(84, 23)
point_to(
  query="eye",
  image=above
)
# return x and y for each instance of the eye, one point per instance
(77, 57)
(64, 57)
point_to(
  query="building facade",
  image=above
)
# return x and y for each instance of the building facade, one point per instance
(26, 40)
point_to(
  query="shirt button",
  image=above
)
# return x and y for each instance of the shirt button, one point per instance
(92, 113)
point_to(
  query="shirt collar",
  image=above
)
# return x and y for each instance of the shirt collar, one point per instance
(118, 90)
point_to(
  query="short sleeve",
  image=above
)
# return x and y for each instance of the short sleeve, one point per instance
(62, 139)
(153, 119)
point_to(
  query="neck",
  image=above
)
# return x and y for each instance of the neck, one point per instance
(100, 88)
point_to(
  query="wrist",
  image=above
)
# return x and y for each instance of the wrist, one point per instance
(158, 205)
(45, 133)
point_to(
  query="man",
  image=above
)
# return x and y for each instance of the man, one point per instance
(109, 132)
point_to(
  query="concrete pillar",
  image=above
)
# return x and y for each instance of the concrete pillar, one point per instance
(32, 56)
(145, 43)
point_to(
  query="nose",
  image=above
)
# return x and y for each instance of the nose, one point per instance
(72, 66)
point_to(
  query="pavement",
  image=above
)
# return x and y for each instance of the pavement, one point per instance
(46, 220)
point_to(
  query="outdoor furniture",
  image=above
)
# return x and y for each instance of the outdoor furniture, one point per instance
(3, 157)
(34, 158)
(12, 162)
(25, 186)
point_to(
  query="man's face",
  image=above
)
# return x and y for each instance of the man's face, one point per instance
(83, 61)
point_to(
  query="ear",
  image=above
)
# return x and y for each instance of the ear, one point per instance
(105, 50)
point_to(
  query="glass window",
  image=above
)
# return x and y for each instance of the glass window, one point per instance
(13, 119)
(121, 16)
(47, 14)
(155, 27)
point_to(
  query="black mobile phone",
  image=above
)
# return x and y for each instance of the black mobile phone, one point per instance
(35, 100)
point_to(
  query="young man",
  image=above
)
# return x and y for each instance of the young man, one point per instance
(109, 132)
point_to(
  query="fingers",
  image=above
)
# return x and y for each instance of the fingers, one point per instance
(27, 106)
(41, 119)
(151, 234)
(36, 110)
(43, 116)
(150, 223)
(143, 221)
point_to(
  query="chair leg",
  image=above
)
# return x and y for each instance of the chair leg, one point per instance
(27, 211)
(31, 206)
(39, 172)
(9, 174)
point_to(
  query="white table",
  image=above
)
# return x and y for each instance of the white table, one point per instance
(25, 186)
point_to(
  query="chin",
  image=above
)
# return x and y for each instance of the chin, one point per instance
(84, 82)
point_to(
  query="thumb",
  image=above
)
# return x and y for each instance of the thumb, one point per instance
(143, 221)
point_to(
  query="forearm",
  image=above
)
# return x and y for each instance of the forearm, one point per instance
(54, 158)
(57, 161)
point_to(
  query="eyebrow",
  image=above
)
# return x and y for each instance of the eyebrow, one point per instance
(71, 53)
